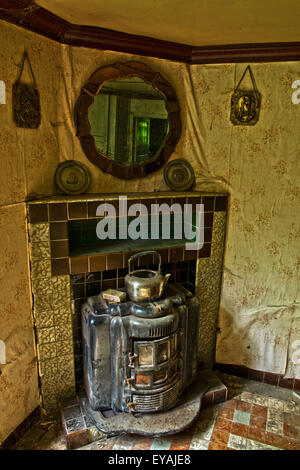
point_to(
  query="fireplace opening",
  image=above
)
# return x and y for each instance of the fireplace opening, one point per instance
(87, 285)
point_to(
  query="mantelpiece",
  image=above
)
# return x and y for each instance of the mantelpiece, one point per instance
(60, 282)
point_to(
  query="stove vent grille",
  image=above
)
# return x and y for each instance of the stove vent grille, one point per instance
(158, 401)
(158, 332)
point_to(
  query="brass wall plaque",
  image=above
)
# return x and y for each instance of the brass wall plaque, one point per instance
(245, 104)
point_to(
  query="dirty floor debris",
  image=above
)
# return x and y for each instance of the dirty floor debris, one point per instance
(256, 416)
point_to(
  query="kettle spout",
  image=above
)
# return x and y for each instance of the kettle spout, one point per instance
(166, 277)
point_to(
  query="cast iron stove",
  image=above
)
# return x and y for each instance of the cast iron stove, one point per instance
(140, 357)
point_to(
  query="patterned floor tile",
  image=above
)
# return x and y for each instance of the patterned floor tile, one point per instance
(237, 442)
(160, 444)
(257, 421)
(123, 443)
(275, 420)
(143, 443)
(239, 429)
(220, 437)
(243, 406)
(241, 417)
(254, 445)
(223, 424)
(199, 444)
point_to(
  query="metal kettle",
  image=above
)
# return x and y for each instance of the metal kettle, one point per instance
(145, 285)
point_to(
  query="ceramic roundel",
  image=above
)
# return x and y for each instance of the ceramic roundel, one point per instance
(179, 175)
(72, 177)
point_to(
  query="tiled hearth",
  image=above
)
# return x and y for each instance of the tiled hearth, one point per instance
(60, 282)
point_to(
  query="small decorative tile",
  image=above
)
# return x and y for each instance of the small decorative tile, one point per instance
(63, 332)
(237, 442)
(41, 269)
(114, 260)
(39, 232)
(199, 444)
(160, 444)
(48, 367)
(43, 319)
(77, 210)
(38, 213)
(46, 335)
(97, 263)
(239, 429)
(64, 348)
(275, 421)
(47, 351)
(241, 417)
(253, 445)
(79, 264)
(60, 266)
(40, 250)
(59, 248)
(58, 212)
(59, 231)
(219, 436)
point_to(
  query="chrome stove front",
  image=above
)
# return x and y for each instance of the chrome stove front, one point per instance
(139, 357)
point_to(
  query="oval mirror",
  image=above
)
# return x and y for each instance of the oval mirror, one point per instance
(128, 120)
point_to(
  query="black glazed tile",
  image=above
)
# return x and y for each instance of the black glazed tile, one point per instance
(79, 264)
(92, 277)
(205, 251)
(93, 288)
(77, 210)
(221, 203)
(209, 203)
(208, 219)
(59, 231)
(78, 291)
(38, 213)
(110, 274)
(109, 284)
(58, 212)
(59, 248)
(122, 272)
(77, 307)
(60, 266)
(77, 278)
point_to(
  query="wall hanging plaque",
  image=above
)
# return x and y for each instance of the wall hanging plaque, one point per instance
(72, 177)
(245, 104)
(179, 175)
(26, 101)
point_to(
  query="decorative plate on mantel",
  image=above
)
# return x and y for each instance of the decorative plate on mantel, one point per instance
(72, 177)
(179, 175)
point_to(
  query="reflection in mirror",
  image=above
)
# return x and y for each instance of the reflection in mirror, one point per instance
(129, 121)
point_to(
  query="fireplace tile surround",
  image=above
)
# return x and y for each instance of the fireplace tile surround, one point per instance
(60, 282)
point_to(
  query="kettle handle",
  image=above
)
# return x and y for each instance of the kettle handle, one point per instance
(144, 253)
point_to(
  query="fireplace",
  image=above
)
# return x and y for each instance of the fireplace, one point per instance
(139, 357)
(62, 279)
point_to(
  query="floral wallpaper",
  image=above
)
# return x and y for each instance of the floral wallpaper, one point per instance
(257, 165)
(19, 394)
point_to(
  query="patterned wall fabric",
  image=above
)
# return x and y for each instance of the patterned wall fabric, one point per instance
(257, 165)
(19, 393)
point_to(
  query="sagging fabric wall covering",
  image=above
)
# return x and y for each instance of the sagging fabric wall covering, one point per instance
(19, 394)
(258, 166)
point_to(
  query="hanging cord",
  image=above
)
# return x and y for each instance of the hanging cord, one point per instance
(248, 68)
(25, 56)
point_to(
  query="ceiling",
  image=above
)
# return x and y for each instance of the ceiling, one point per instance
(191, 22)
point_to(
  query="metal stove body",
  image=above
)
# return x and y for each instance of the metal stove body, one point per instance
(140, 357)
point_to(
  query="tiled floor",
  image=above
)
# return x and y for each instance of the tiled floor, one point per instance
(256, 417)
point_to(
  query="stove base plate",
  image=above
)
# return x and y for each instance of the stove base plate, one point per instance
(158, 424)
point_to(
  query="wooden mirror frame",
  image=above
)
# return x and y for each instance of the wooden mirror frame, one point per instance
(83, 127)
